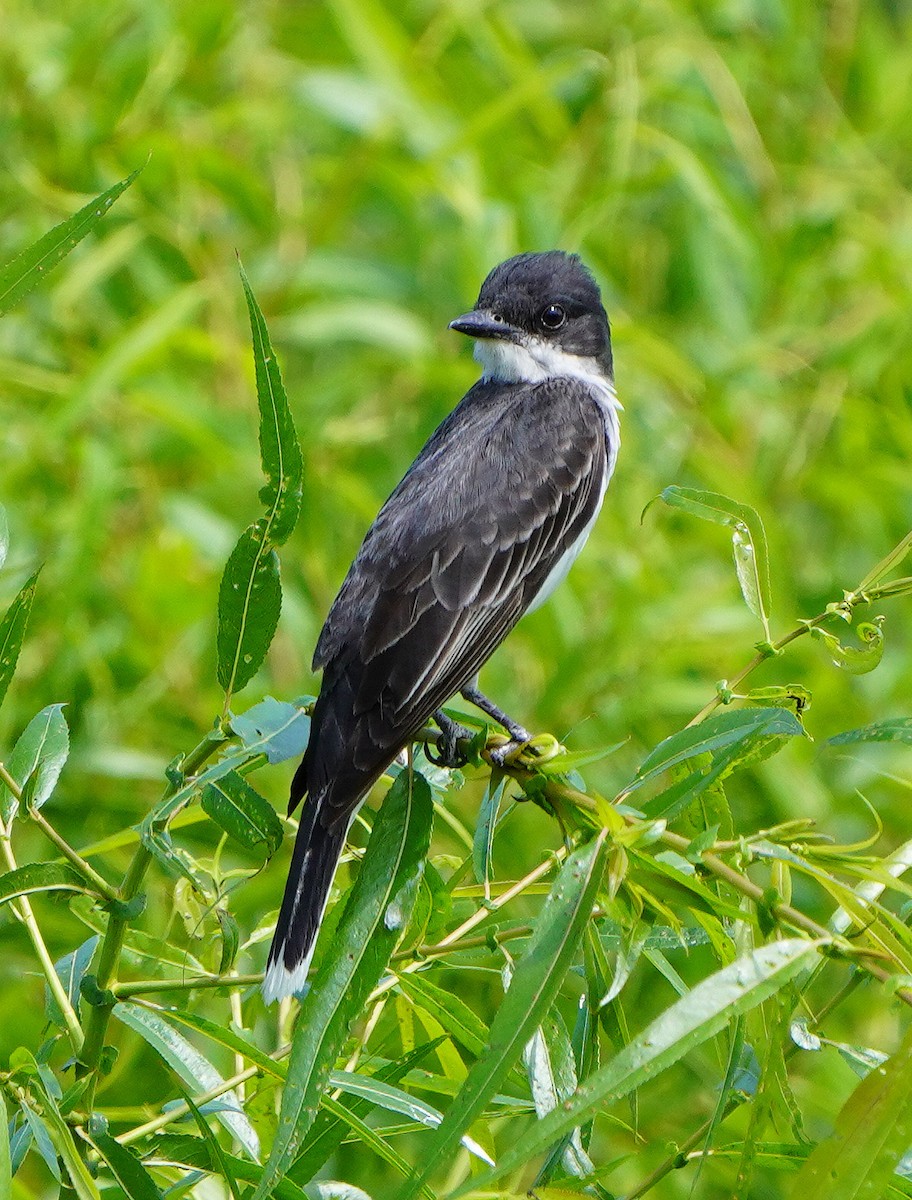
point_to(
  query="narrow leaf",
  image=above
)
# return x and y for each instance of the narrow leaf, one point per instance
(189, 1151)
(28, 269)
(280, 451)
(4, 536)
(55, 1128)
(385, 1095)
(748, 541)
(877, 574)
(691, 1020)
(70, 970)
(857, 660)
(715, 733)
(243, 813)
(535, 983)
(6, 1161)
(898, 729)
(250, 595)
(873, 1130)
(41, 877)
(374, 917)
(460, 1022)
(483, 840)
(327, 1132)
(277, 729)
(250, 600)
(131, 1176)
(37, 759)
(12, 631)
(189, 1065)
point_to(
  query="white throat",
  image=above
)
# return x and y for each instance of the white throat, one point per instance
(534, 360)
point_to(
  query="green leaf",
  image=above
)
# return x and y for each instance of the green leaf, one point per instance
(873, 1130)
(857, 660)
(732, 739)
(41, 877)
(51, 1125)
(224, 1035)
(130, 1175)
(250, 595)
(189, 1065)
(374, 917)
(70, 970)
(287, 730)
(385, 1095)
(878, 573)
(31, 266)
(190, 1151)
(37, 760)
(552, 1079)
(748, 542)
(483, 840)
(243, 813)
(12, 631)
(250, 600)
(715, 733)
(691, 1020)
(280, 452)
(6, 1162)
(328, 1130)
(4, 536)
(275, 728)
(897, 729)
(535, 983)
(460, 1022)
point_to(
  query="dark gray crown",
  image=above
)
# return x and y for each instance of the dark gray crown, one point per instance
(521, 289)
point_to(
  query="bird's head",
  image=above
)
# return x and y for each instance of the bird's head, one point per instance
(539, 316)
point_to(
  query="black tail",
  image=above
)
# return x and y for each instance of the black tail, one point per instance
(313, 864)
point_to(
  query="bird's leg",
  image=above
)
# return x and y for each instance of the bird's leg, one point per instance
(519, 735)
(448, 742)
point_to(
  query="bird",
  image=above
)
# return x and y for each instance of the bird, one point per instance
(482, 528)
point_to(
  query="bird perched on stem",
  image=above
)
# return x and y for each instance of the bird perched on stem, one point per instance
(482, 528)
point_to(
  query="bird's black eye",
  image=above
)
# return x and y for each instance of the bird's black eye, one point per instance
(553, 317)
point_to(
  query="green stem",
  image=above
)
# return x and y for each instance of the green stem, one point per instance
(758, 659)
(24, 911)
(113, 940)
(144, 987)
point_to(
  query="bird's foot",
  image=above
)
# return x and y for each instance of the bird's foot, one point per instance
(519, 742)
(448, 752)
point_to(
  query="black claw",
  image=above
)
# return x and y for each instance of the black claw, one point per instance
(448, 752)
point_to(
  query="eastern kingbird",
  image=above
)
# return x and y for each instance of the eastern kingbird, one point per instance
(483, 527)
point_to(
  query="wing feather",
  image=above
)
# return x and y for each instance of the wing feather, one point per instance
(455, 557)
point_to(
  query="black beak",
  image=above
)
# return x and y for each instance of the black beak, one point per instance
(479, 324)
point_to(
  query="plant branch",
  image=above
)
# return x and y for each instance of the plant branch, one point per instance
(24, 911)
(113, 940)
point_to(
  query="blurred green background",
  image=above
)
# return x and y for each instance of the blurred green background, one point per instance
(736, 173)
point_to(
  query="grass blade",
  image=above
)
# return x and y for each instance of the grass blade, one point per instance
(28, 268)
(692, 1019)
(538, 975)
(375, 915)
